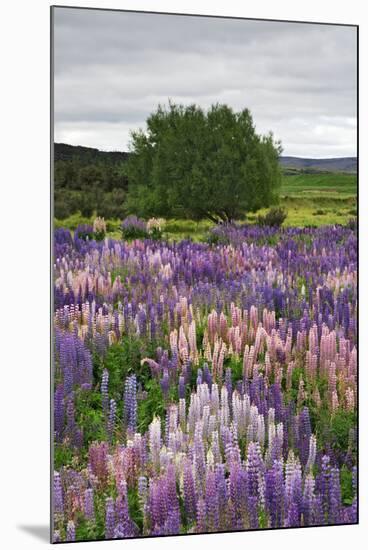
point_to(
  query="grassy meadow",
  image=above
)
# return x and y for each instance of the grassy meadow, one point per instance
(311, 199)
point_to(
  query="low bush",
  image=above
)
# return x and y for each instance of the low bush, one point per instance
(275, 217)
(134, 228)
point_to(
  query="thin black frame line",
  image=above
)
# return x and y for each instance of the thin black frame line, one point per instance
(52, 8)
(52, 351)
(92, 8)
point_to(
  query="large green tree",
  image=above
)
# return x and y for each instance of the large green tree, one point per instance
(201, 164)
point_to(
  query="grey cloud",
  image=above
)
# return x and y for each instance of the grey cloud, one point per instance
(113, 68)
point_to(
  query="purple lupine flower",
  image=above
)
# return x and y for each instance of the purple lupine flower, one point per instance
(254, 468)
(222, 490)
(142, 490)
(59, 412)
(212, 503)
(109, 518)
(228, 382)
(58, 495)
(335, 512)
(201, 516)
(165, 383)
(305, 433)
(105, 390)
(181, 387)
(308, 500)
(130, 403)
(198, 455)
(253, 512)
(122, 511)
(155, 441)
(70, 531)
(171, 496)
(275, 494)
(111, 419)
(189, 492)
(70, 416)
(172, 523)
(97, 456)
(318, 517)
(207, 376)
(325, 484)
(56, 536)
(293, 517)
(89, 507)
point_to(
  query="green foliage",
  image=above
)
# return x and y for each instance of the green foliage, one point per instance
(63, 456)
(347, 492)
(89, 416)
(196, 164)
(341, 424)
(135, 511)
(155, 234)
(131, 232)
(153, 405)
(121, 360)
(236, 366)
(88, 181)
(296, 376)
(87, 530)
(275, 217)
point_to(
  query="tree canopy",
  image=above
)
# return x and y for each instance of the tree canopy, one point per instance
(200, 164)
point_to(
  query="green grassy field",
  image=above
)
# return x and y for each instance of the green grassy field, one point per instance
(310, 199)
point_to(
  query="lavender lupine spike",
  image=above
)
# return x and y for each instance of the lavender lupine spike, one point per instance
(304, 434)
(130, 403)
(212, 502)
(155, 442)
(105, 390)
(70, 531)
(111, 419)
(201, 516)
(308, 500)
(325, 484)
(335, 512)
(89, 509)
(58, 495)
(189, 492)
(275, 494)
(312, 453)
(59, 412)
(109, 518)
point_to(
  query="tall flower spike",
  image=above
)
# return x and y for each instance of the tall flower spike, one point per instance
(109, 518)
(105, 390)
(89, 509)
(70, 531)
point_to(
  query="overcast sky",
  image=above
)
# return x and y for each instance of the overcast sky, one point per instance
(112, 69)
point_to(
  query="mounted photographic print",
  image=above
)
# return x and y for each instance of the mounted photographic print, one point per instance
(204, 324)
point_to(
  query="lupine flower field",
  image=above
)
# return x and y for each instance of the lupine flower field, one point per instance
(204, 387)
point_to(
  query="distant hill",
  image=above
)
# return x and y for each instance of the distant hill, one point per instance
(63, 151)
(86, 155)
(340, 164)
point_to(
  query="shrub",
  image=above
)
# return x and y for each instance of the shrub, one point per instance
(155, 228)
(220, 234)
(99, 228)
(84, 232)
(275, 217)
(134, 228)
(352, 224)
